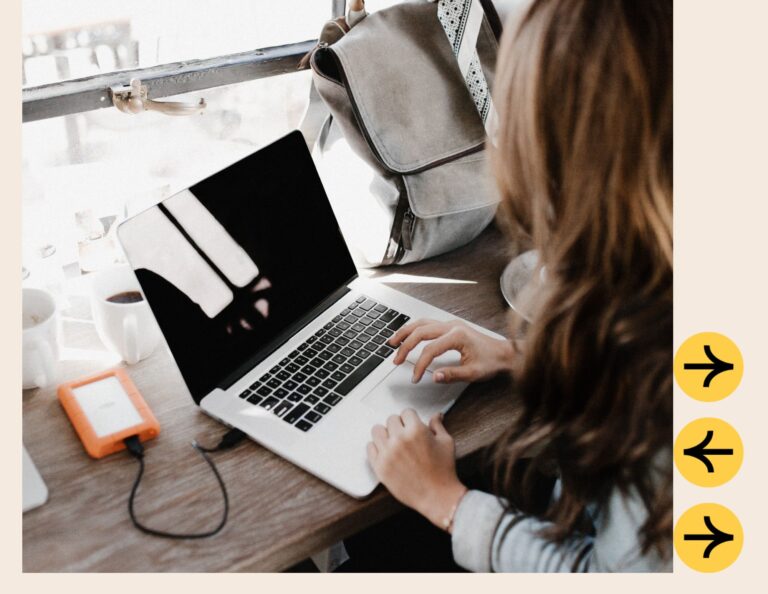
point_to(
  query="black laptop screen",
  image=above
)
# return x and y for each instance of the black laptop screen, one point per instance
(230, 266)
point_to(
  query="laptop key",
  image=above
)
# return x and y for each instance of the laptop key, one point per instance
(388, 316)
(255, 385)
(366, 321)
(384, 351)
(263, 391)
(347, 352)
(358, 375)
(332, 399)
(304, 389)
(317, 362)
(292, 368)
(355, 361)
(325, 355)
(386, 333)
(338, 376)
(361, 299)
(342, 325)
(269, 403)
(350, 319)
(280, 393)
(322, 373)
(311, 339)
(331, 366)
(342, 340)
(295, 397)
(336, 319)
(294, 354)
(358, 328)
(378, 324)
(346, 368)
(282, 408)
(398, 321)
(295, 414)
(320, 332)
(285, 362)
(378, 339)
(255, 399)
(326, 339)
(303, 425)
(363, 354)
(329, 383)
(283, 375)
(245, 393)
(334, 348)
(373, 314)
(355, 344)
(334, 332)
(328, 326)
(358, 313)
(301, 360)
(320, 391)
(311, 399)
(380, 308)
(313, 381)
(290, 385)
(310, 353)
(313, 416)
(302, 347)
(275, 370)
(370, 330)
(322, 408)
(301, 375)
(367, 304)
(349, 334)
(338, 359)
(370, 347)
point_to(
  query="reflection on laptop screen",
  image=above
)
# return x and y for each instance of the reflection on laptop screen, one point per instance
(232, 263)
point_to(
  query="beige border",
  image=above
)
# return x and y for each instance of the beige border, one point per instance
(721, 164)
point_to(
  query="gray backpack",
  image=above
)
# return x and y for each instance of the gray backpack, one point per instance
(403, 154)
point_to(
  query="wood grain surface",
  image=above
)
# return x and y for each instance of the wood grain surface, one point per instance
(279, 514)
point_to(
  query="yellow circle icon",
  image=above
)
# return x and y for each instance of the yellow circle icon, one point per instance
(708, 452)
(708, 537)
(708, 366)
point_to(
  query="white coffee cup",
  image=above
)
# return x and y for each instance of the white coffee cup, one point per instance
(40, 338)
(128, 329)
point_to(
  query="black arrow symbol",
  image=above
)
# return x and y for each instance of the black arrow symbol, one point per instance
(717, 366)
(700, 452)
(717, 537)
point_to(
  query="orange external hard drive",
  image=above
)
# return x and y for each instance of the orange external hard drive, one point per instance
(105, 409)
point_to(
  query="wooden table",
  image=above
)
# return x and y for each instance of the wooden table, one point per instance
(279, 514)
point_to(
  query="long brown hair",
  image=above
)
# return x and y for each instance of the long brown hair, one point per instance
(584, 164)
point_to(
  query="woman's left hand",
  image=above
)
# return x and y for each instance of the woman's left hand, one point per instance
(417, 464)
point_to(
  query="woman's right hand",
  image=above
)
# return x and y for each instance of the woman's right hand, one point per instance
(482, 357)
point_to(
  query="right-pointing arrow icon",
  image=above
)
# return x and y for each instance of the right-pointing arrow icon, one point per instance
(716, 366)
(716, 536)
(701, 452)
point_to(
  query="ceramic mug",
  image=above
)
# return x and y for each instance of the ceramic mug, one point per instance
(40, 338)
(123, 319)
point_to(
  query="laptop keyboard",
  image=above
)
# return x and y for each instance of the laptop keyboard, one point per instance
(311, 380)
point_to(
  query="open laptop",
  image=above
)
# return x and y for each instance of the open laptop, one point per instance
(274, 332)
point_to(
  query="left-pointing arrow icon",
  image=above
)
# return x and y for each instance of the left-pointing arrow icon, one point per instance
(717, 537)
(701, 452)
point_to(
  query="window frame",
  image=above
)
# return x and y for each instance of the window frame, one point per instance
(165, 80)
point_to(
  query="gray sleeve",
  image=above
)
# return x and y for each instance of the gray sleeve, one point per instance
(487, 537)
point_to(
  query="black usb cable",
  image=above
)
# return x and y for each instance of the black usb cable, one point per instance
(136, 449)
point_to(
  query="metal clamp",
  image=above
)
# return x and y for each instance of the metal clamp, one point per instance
(134, 99)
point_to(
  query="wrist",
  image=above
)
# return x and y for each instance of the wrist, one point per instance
(505, 355)
(441, 506)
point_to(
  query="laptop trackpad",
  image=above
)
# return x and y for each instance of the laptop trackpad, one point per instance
(396, 392)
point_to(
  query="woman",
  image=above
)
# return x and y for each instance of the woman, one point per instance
(584, 164)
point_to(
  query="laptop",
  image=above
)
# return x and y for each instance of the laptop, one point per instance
(272, 328)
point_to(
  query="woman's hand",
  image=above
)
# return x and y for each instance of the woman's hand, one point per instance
(417, 464)
(482, 357)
